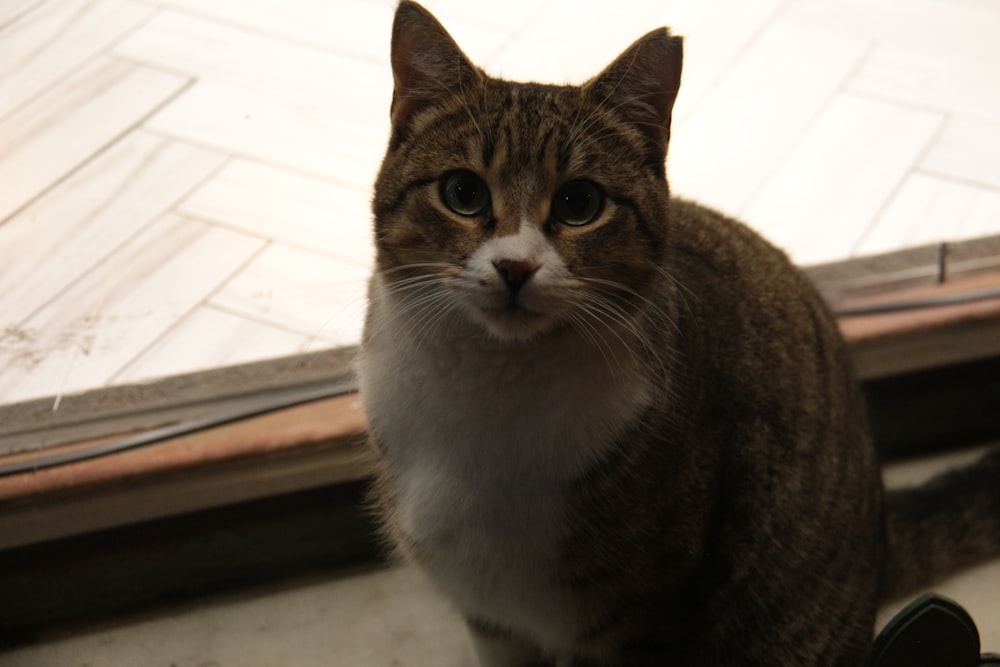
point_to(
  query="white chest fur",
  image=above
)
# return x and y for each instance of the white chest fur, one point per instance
(481, 441)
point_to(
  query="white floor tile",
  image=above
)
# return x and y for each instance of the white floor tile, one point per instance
(209, 338)
(312, 294)
(289, 207)
(929, 209)
(747, 123)
(44, 140)
(539, 54)
(336, 85)
(957, 27)
(931, 79)
(71, 229)
(80, 340)
(831, 187)
(362, 28)
(715, 36)
(271, 130)
(968, 150)
(52, 41)
(515, 17)
(356, 27)
(14, 10)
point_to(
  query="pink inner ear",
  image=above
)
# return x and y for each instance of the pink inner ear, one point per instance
(426, 62)
(402, 76)
(643, 83)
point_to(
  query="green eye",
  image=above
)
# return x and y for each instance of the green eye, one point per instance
(465, 193)
(578, 203)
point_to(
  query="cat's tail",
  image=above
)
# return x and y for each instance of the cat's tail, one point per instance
(943, 525)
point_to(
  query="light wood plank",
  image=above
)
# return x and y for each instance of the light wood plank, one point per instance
(929, 209)
(578, 59)
(46, 139)
(334, 85)
(210, 338)
(289, 207)
(722, 154)
(294, 289)
(48, 43)
(13, 10)
(957, 27)
(715, 35)
(272, 130)
(515, 17)
(361, 28)
(54, 241)
(116, 311)
(938, 54)
(345, 26)
(969, 150)
(932, 78)
(831, 187)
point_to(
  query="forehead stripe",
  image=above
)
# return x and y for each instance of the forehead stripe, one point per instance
(489, 149)
(544, 144)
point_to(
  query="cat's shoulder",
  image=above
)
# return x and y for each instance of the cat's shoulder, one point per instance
(713, 241)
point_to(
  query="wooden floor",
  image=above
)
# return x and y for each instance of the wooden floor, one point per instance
(184, 183)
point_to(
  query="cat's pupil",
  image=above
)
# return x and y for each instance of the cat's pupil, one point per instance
(578, 203)
(465, 193)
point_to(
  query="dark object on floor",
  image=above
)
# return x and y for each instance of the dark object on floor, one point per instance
(931, 631)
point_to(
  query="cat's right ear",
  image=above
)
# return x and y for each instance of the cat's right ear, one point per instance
(427, 64)
(642, 83)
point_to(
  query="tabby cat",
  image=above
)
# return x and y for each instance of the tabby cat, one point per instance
(615, 427)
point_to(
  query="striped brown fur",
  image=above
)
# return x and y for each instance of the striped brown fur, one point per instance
(639, 440)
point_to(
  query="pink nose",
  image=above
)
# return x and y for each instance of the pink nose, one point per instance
(515, 273)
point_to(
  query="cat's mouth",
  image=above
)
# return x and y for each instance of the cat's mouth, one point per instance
(513, 321)
(513, 311)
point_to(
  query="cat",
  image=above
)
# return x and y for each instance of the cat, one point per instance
(615, 427)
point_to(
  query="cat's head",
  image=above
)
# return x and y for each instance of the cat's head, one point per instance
(521, 208)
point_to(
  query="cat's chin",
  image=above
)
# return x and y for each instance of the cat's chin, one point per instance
(515, 324)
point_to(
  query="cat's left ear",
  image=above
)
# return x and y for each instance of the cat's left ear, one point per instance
(427, 64)
(642, 84)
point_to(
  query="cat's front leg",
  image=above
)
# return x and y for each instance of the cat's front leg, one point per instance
(496, 646)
